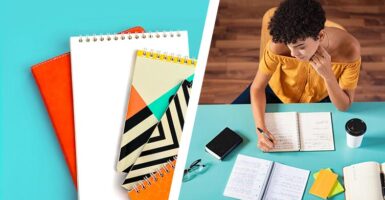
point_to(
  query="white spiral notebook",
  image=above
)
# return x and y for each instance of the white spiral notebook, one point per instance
(102, 69)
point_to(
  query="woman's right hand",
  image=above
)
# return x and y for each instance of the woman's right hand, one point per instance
(264, 143)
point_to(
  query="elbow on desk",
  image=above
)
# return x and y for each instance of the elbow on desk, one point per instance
(344, 108)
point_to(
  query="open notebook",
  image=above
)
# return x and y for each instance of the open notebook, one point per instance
(254, 178)
(101, 77)
(301, 131)
(364, 181)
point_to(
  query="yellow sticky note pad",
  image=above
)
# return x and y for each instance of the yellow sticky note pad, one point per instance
(338, 188)
(324, 183)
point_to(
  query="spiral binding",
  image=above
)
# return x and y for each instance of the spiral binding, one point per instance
(128, 36)
(168, 57)
(154, 176)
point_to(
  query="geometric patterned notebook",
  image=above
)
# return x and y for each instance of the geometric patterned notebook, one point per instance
(164, 142)
(155, 79)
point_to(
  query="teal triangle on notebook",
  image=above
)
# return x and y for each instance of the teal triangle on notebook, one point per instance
(160, 105)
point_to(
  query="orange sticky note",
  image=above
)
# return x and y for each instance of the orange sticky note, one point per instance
(324, 184)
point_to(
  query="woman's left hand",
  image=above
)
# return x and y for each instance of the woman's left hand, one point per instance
(321, 62)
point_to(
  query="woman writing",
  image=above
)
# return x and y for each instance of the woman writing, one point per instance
(304, 59)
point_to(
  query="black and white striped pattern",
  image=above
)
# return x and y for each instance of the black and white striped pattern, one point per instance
(164, 147)
(137, 131)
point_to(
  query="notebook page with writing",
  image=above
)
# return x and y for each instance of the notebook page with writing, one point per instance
(362, 181)
(284, 127)
(248, 178)
(101, 78)
(316, 131)
(286, 183)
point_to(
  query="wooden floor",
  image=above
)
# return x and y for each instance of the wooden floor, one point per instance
(234, 53)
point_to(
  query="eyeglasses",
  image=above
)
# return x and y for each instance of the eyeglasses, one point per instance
(194, 169)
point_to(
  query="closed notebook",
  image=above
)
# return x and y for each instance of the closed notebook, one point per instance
(102, 69)
(53, 78)
(324, 184)
(337, 189)
(156, 77)
(164, 140)
(226, 141)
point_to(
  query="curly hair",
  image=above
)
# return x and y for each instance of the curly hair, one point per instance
(295, 20)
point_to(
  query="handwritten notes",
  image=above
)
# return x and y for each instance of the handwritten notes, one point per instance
(301, 131)
(254, 178)
(284, 127)
(286, 183)
(316, 131)
(248, 178)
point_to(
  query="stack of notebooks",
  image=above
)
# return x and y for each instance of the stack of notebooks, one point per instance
(326, 184)
(123, 99)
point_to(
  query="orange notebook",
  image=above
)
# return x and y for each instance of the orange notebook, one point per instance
(324, 184)
(155, 187)
(53, 78)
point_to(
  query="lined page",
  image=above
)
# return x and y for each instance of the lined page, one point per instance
(286, 183)
(316, 131)
(284, 127)
(248, 178)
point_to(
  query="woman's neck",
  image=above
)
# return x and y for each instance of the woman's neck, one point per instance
(329, 42)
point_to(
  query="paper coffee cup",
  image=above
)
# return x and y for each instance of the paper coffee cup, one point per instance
(355, 130)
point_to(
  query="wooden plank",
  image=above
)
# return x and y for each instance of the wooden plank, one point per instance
(231, 44)
(373, 50)
(374, 66)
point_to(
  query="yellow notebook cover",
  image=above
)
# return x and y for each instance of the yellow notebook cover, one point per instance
(324, 184)
(337, 189)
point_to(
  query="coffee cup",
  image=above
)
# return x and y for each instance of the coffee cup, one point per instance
(355, 130)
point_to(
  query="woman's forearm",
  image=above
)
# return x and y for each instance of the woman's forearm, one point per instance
(339, 98)
(258, 105)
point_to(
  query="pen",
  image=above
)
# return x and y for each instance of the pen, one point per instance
(264, 134)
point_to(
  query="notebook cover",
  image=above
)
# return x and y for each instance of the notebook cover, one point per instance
(337, 189)
(224, 143)
(156, 78)
(53, 78)
(159, 189)
(164, 142)
(324, 184)
(102, 71)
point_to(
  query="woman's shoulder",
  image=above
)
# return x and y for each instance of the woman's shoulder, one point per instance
(348, 48)
(352, 49)
(278, 49)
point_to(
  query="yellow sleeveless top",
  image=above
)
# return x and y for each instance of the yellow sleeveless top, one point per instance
(295, 81)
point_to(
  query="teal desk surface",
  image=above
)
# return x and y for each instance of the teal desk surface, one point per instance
(32, 165)
(211, 119)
